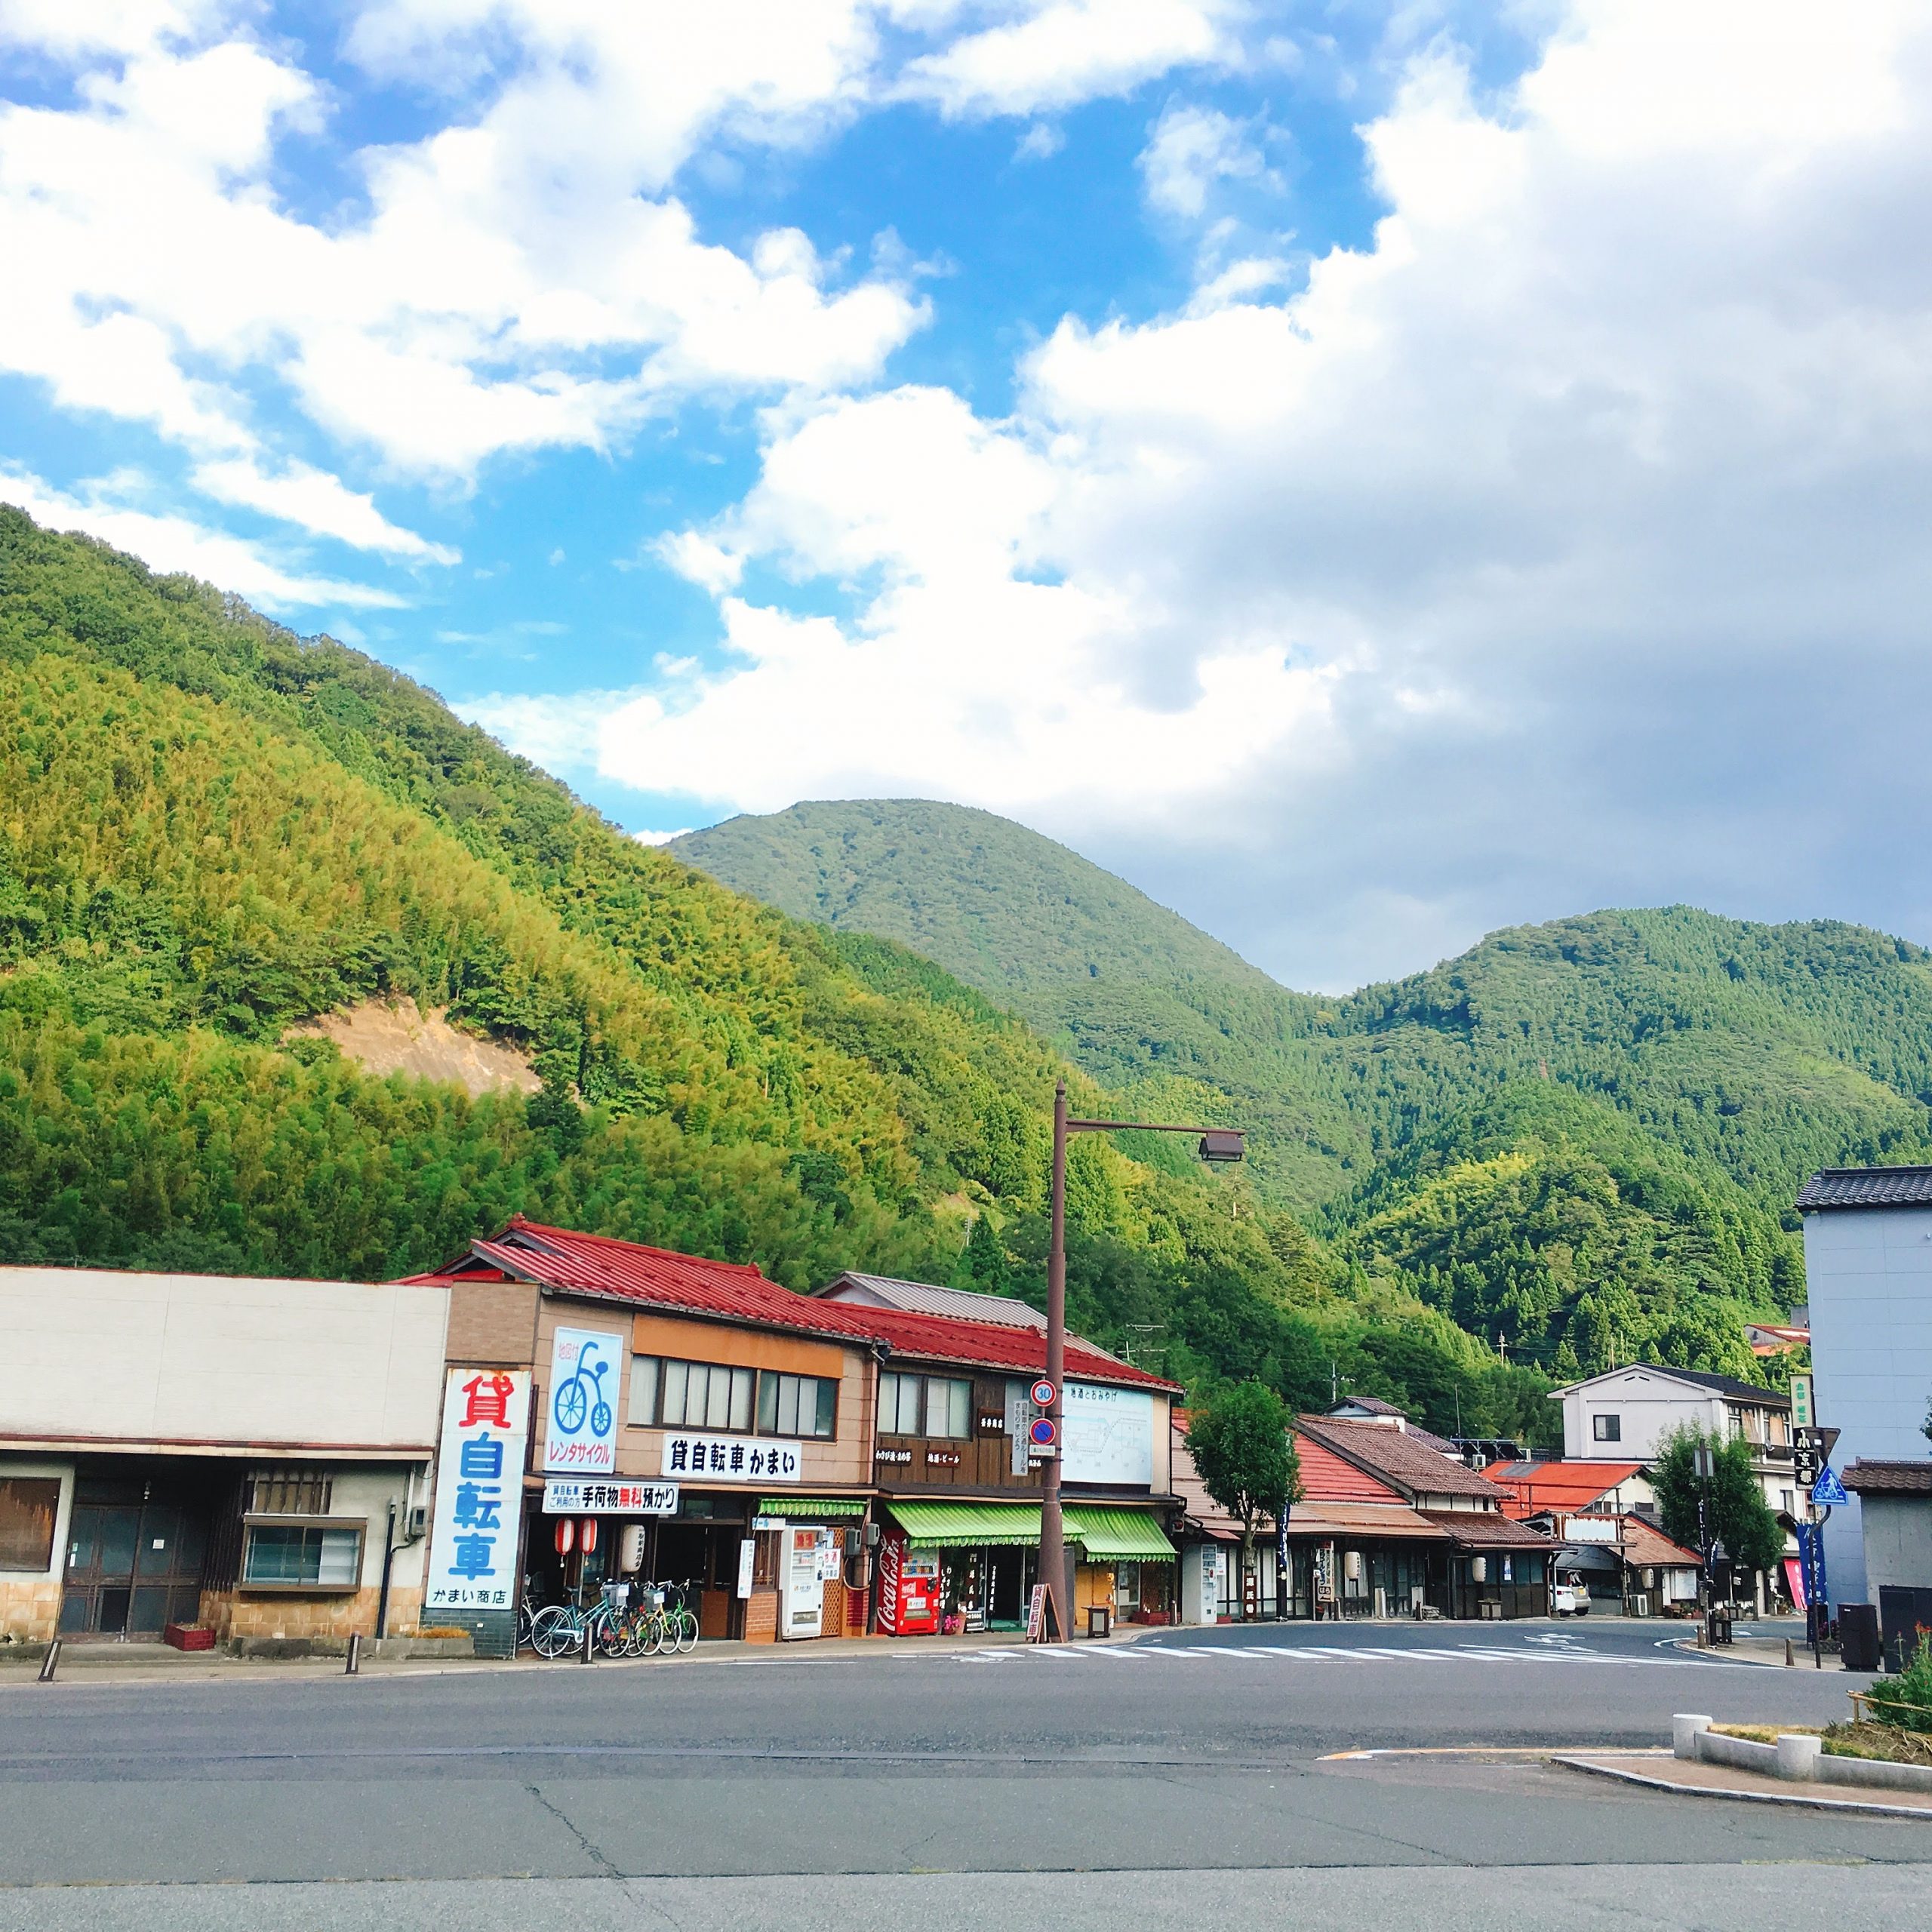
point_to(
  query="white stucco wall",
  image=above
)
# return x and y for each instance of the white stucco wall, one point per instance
(1652, 1407)
(99, 1356)
(1869, 1276)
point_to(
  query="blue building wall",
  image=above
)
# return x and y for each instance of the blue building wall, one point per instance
(1870, 1276)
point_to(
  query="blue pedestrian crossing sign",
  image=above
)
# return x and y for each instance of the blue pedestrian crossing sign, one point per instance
(1828, 1490)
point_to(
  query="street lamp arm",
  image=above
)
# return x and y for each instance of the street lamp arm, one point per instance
(1138, 1126)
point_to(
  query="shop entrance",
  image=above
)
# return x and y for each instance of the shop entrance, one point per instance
(705, 1553)
(135, 1551)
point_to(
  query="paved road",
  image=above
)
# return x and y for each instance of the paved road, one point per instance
(620, 1792)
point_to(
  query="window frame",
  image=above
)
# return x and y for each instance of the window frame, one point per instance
(356, 1526)
(1606, 1426)
(775, 1379)
(668, 1369)
(46, 1566)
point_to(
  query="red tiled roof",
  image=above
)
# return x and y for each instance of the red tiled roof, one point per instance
(1484, 1529)
(564, 1259)
(1647, 1546)
(1325, 1477)
(1528, 1488)
(1411, 1468)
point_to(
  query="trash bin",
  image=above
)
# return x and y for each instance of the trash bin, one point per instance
(1858, 1636)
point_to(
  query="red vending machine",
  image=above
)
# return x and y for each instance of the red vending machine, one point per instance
(909, 1590)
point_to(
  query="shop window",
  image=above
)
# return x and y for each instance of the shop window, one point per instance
(797, 1404)
(937, 1406)
(291, 1493)
(28, 1507)
(949, 1408)
(294, 1556)
(899, 1403)
(699, 1394)
(1127, 1587)
(646, 1371)
(1607, 1428)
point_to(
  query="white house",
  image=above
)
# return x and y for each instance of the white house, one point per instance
(1868, 1261)
(1626, 1415)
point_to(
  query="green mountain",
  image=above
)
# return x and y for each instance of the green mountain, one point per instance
(223, 849)
(1580, 1138)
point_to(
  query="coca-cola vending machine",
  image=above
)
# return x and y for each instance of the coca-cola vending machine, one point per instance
(909, 1590)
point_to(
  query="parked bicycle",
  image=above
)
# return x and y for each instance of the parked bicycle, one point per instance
(560, 1629)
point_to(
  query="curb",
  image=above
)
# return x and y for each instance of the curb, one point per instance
(1852, 1804)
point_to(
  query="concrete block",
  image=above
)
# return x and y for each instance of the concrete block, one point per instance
(1685, 1727)
(1797, 1757)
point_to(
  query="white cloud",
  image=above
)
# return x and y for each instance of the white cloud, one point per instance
(1069, 51)
(517, 279)
(1040, 142)
(69, 29)
(169, 543)
(660, 837)
(1192, 150)
(1540, 555)
(320, 503)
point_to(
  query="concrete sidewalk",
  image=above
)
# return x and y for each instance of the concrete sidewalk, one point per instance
(161, 1663)
(1659, 1770)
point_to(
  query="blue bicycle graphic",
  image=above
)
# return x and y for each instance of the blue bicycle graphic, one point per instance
(584, 1394)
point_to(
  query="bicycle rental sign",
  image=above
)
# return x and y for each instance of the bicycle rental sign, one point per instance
(479, 1487)
(580, 1418)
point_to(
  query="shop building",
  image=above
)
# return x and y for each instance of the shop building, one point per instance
(817, 1466)
(1495, 1568)
(690, 1421)
(1354, 1547)
(959, 1490)
(250, 1457)
(1387, 1525)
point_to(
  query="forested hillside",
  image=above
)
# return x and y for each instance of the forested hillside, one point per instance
(211, 831)
(1581, 1139)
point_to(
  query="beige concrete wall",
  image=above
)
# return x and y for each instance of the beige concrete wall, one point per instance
(108, 1356)
(845, 1462)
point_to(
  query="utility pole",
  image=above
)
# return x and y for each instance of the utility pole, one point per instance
(1217, 1144)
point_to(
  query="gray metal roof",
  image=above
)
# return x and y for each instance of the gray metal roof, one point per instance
(930, 1298)
(1866, 1187)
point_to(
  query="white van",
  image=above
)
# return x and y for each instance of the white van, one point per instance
(1571, 1594)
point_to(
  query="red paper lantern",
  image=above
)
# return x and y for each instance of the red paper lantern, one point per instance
(587, 1536)
(566, 1535)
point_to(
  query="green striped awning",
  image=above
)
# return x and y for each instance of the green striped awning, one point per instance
(967, 1525)
(795, 1507)
(1108, 1534)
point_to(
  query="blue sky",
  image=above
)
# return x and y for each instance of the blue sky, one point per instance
(1369, 474)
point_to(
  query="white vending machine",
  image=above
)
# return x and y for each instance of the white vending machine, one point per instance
(801, 1580)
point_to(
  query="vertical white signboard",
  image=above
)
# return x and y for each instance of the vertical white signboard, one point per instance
(580, 1417)
(479, 1489)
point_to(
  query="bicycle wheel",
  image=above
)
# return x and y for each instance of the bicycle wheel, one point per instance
(600, 1420)
(686, 1634)
(571, 1406)
(552, 1632)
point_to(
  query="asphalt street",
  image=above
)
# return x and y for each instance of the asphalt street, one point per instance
(691, 1792)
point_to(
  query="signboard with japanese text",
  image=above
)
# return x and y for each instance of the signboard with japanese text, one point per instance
(732, 1458)
(609, 1499)
(580, 1432)
(479, 1483)
(1107, 1434)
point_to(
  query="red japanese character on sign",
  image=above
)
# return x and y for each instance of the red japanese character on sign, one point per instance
(489, 1400)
